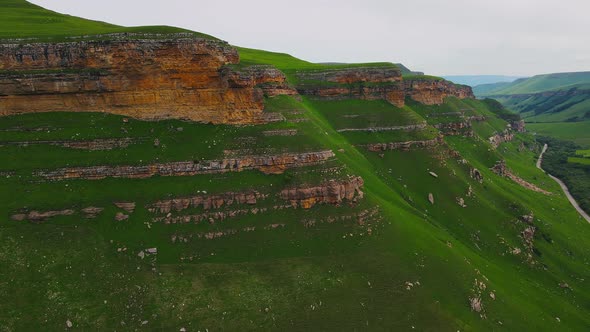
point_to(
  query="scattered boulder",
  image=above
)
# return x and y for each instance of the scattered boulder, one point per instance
(461, 202)
(476, 304)
(431, 198)
(433, 174)
(528, 218)
(476, 175)
(69, 324)
(121, 216)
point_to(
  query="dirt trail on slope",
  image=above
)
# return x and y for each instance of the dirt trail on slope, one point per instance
(563, 186)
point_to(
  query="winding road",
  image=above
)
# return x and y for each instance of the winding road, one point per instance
(562, 185)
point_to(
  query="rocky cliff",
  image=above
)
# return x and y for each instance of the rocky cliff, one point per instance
(373, 83)
(434, 92)
(149, 78)
(360, 82)
(332, 192)
(181, 77)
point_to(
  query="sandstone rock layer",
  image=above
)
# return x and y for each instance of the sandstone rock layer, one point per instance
(180, 78)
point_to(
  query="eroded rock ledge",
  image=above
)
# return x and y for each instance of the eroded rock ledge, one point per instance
(332, 192)
(92, 145)
(206, 202)
(159, 78)
(373, 83)
(405, 146)
(273, 164)
(501, 169)
(434, 92)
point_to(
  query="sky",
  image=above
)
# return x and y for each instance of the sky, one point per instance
(439, 37)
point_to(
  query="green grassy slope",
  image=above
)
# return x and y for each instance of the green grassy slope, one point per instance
(578, 132)
(22, 20)
(415, 269)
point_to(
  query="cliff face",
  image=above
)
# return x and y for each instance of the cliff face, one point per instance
(184, 78)
(377, 83)
(181, 78)
(361, 83)
(433, 92)
(333, 192)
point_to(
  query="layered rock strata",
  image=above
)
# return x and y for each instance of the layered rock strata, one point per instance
(370, 83)
(418, 126)
(434, 92)
(332, 192)
(206, 202)
(273, 164)
(37, 216)
(405, 146)
(150, 78)
(92, 145)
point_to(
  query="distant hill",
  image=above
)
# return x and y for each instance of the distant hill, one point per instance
(554, 104)
(484, 89)
(474, 80)
(543, 83)
(544, 98)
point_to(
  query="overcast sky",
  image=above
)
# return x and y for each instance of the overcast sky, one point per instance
(440, 37)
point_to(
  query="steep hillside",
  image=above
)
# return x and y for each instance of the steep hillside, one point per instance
(21, 19)
(172, 182)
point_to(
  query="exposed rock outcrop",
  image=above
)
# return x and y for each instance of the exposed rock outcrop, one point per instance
(434, 92)
(332, 192)
(127, 206)
(499, 138)
(206, 202)
(273, 164)
(92, 212)
(418, 126)
(148, 78)
(368, 83)
(271, 80)
(92, 145)
(37, 216)
(518, 126)
(462, 128)
(501, 169)
(405, 146)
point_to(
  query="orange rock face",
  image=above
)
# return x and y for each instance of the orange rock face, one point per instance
(333, 192)
(369, 83)
(182, 78)
(372, 83)
(434, 92)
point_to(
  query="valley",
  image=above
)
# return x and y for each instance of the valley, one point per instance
(161, 179)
